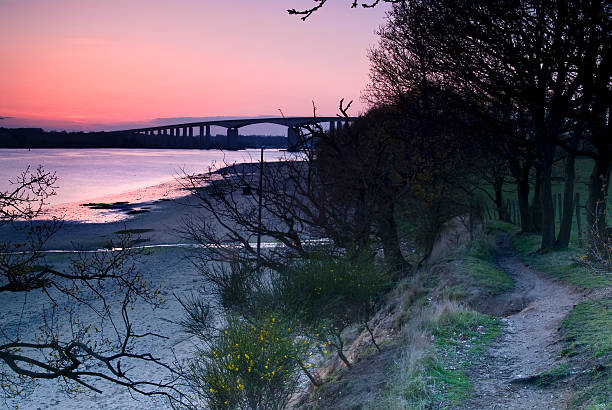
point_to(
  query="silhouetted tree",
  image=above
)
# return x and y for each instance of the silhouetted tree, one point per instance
(307, 12)
(530, 60)
(328, 190)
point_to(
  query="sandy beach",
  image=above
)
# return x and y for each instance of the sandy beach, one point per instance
(158, 209)
(165, 206)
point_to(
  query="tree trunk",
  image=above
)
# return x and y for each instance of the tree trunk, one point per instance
(387, 231)
(596, 203)
(522, 190)
(499, 198)
(535, 211)
(520, 171)
(565, 229)
(546, 199)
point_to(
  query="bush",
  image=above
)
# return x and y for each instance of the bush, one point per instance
(326, 294)
(275, 323)
(250, 365)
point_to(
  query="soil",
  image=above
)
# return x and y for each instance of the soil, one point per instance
(355, 389)
(530, 345)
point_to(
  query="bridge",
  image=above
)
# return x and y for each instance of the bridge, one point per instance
(186, 132)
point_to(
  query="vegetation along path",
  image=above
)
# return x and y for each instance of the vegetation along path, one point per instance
(530, 345)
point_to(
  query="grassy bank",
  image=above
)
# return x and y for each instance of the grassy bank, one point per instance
(587, 340)
(431, 372)
(442, 339)
(480, 269)
(432, 338)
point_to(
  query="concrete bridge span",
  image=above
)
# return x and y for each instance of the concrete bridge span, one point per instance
(203, 138)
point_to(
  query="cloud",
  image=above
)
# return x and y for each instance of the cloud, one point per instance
(5, 118)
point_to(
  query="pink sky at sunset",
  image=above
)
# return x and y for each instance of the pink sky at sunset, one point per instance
(87, 64)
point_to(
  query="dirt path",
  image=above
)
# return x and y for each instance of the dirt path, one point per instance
(533, 312)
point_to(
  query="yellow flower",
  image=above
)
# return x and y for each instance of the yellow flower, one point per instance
(246, 356)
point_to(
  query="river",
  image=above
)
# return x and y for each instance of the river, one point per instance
(84, 174)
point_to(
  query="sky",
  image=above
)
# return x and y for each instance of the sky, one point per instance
(103, 64)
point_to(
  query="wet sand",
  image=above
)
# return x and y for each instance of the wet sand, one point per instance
(158, 209)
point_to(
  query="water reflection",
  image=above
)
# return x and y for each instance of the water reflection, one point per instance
(143, 178)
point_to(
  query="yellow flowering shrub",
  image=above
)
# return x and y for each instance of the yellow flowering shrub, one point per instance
(250, 365)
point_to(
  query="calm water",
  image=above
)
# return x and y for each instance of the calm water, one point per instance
(90, 173)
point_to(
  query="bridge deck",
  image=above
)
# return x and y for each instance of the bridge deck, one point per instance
(243, 122)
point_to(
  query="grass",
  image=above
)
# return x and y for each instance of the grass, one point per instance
(479, 267)
(433, 375)
(583, 170)
(588, 330)
(466, 329)
(587, 341)
(563, 265)
(496, 225)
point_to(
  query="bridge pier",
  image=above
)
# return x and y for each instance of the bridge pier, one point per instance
(184, 138)
(201, 137)
(232, 138)
(204, 140)
(293, 139)
(332, 128)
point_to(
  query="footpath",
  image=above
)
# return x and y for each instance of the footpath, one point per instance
(503, 378)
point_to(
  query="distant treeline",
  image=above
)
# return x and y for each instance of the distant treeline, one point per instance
(39, 138)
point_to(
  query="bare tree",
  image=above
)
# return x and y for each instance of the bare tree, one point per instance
(307, 12)
(543, 65)
(296, 203)
(69, 324)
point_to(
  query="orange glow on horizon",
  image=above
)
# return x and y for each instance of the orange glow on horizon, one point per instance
(89, 63)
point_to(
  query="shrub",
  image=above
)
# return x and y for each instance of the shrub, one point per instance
(250, 365)
(326, 294)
